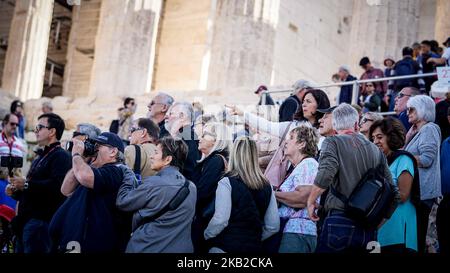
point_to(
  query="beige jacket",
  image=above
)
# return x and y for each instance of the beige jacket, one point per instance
(147, 150)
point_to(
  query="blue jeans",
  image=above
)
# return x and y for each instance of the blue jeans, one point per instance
(35, 238)
(297, 243)
(342, 234)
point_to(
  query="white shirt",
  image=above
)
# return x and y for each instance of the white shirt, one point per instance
(446, 56)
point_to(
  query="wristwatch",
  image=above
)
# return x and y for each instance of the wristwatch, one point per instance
(25, 185)
(76, 154)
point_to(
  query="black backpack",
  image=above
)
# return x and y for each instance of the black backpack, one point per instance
(372, 200)
(415, 189)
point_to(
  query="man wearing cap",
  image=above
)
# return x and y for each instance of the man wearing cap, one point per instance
(268, 100)
(90, 217)
(289, 106)
(346, 93)
(445, 58)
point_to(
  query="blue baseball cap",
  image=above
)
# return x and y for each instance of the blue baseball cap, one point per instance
(110, 139)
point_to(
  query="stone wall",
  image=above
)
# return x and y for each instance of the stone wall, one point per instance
(311, 40)
(242, 49)
(383, 29)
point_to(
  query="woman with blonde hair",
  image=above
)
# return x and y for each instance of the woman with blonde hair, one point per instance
(214, 144)
(245, 207)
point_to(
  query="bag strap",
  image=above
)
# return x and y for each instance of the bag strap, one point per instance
(181, 193)
(225, 162)
(286, 131)
(137, 160)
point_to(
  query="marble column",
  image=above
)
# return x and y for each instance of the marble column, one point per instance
(81, 48)
(442, 21)
(23, 75)
(381, 29)
(125, 48)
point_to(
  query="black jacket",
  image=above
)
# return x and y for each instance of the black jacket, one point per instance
(43, 196)
(288, 108)
(206, 176)
(162, 130)
(191, 139)
(347, 91)
(244, 230)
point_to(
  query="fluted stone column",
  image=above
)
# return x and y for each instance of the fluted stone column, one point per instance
(81, 48)
(382, 29)
(242, 50)
(442, 20)
(125, 47)
(23, 75)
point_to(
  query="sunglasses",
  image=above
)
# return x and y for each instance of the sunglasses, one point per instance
(40, 127)
(134, 129)
(401, 95)
(14, 124)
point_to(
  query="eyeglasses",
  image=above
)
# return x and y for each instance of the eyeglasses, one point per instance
(364, 120)
(153, 103)
(410, 109)
(369, 85)
(40, 127)
(134, 129)
(401, 95)
(14, 124)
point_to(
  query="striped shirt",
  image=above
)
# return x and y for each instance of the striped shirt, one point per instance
(13, 148)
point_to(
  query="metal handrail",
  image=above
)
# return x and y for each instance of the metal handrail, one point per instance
(355, 84)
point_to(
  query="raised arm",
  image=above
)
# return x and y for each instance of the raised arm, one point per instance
(70, 183)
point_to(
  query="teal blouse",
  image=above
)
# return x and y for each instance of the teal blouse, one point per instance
(401, 228)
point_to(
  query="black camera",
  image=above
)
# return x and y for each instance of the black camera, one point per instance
(11, 162)
(89, 147)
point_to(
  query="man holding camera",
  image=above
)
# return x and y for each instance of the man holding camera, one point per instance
(90, 217)
(39, 193)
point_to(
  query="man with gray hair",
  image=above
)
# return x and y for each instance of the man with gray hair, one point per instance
(346, 93)
(290, 105)
(344, 160)
(178, 123)
(157, 110)
(47, 107)
(83, 132)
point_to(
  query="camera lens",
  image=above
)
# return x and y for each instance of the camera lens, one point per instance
(89, 148)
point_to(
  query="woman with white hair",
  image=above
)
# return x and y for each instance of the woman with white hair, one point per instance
(367, 120)
(245, 206)
(214, 143)
(423, 141)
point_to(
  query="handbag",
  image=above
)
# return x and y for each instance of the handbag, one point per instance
(277, 168)
(372, 200)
